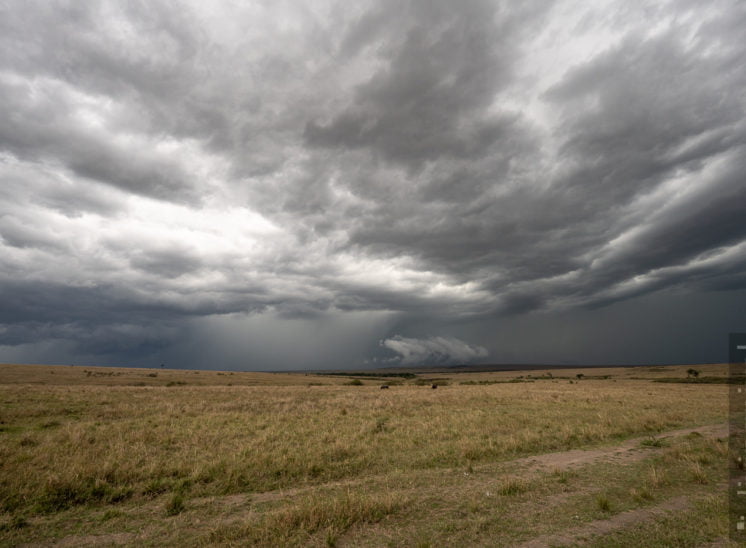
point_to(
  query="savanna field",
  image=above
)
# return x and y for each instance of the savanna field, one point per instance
(591, 457)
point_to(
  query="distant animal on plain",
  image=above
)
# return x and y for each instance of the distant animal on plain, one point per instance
(384, 386)
(434, 386)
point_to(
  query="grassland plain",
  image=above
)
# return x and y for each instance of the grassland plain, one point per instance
(106, 456)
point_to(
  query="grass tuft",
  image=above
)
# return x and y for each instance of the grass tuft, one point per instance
(640, 494)
(656, 478)
(698, 474)
(175, 505)
(603, 503)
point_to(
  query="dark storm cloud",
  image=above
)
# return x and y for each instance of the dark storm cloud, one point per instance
(631, 120)
(642, 109)
(175, 175)
(428, 100)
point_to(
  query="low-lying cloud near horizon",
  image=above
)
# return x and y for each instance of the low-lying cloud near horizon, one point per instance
(432, 350)
(270, 185)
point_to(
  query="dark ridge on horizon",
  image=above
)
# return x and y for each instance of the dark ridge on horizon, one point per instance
(460, 368)
(481, 368)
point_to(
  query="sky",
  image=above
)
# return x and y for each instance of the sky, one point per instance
(276, 185)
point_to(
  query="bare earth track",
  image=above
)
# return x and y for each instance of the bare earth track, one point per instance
(627, 452)
(601, 527)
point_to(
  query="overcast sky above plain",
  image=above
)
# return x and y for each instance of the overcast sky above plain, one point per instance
(288, 185)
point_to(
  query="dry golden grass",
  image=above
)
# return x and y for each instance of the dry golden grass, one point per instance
(77, 442)
(67, 375)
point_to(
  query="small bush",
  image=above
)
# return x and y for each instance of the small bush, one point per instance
(355, 382)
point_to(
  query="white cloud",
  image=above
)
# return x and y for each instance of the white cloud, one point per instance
(442, 350)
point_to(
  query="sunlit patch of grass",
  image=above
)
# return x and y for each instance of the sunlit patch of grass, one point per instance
(513, 486)
(332, 514)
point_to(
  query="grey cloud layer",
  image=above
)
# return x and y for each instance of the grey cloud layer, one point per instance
(166, 163)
